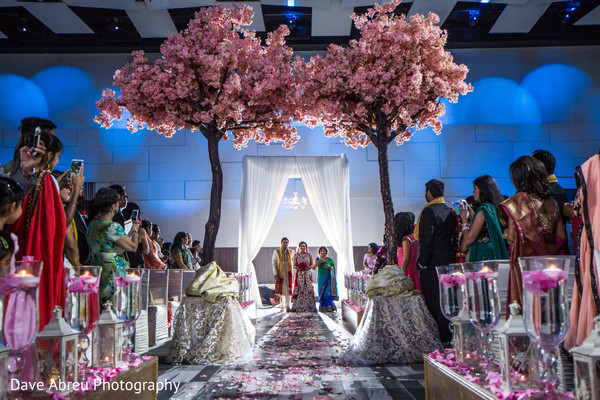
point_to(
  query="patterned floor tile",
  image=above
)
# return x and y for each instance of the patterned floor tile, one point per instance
(295, 358)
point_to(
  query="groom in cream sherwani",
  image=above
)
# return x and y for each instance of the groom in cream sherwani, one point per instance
(282, 270)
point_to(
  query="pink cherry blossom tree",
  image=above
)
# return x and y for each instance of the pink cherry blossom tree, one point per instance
(214, 77)
(382, 87)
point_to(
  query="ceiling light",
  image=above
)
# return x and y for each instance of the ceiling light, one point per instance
(473, 17)
(295, 202)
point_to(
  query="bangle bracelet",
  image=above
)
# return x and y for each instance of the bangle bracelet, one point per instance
(465, 226)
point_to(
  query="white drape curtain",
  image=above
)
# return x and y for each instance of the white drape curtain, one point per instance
(263, 183)
(327, 184)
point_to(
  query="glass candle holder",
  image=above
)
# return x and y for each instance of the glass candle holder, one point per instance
(82, 308)
(452, 299)
(483, 306)
(20, 316)
(546, 312)
(127, 304)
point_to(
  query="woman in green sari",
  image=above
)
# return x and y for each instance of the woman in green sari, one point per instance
(326, 281)
(108, 241)
(481, 230)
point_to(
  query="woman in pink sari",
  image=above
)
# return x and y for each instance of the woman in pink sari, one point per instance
(586, 296)
(407, 246)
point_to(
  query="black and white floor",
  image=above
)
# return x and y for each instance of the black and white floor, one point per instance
(295, 357)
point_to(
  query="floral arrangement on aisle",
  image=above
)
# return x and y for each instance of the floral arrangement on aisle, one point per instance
(493, 378)
(383, 87)
(214, 77)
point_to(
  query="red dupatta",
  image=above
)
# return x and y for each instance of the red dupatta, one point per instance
(41, 231)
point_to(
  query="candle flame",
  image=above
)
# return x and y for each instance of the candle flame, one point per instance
(552, 267)
(52, 381)
(485, 269)
(23, 273)
(86, 273)
(523, 378)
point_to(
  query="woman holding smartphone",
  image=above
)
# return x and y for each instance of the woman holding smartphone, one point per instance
(108, 241)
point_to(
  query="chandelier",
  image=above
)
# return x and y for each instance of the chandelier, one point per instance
(295, 202)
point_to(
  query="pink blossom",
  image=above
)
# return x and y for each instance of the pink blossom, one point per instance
(76, 285)
(542, 281)
(449, 280)
(481, 274)
(494, 378)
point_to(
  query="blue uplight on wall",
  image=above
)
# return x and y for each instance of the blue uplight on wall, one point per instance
(563, 92)
(70, 94)
(494, 100)
(20, 98)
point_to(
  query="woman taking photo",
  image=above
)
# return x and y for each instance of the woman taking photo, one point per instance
(482, 237)
(108, 241)
(326, 281)
(182, 258)
(41, 228)
(303, 297)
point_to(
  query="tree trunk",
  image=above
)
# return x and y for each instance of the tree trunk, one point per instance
(388, 206)
(214, 217)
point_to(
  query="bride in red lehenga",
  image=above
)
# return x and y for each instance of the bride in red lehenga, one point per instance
(303, 298)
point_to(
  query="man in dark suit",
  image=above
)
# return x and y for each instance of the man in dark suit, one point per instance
(437, 236)
(556, 190)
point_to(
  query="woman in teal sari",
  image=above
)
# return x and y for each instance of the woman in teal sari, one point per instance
(481, 230)
(326, 281)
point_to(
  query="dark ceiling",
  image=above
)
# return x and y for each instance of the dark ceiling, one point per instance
(470, 24)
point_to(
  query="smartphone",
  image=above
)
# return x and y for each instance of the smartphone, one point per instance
(456, 205)
(75, 168)
(135, 214)
(36, 140)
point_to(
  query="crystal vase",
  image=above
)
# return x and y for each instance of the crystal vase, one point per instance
(19, 325)
(452, 299)
(82, 308)
(127, 304)
(483, 306)
(546, 313)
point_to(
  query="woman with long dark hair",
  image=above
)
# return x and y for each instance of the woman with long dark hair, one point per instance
(482, 237)
(42, 226)
(182, 258)
(409, 246)
(535, 226)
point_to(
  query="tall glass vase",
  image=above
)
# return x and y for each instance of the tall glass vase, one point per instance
(483, 306)
(452, 299)
(20, 314)
(127, 304)
(546, 313)
(82, 308)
